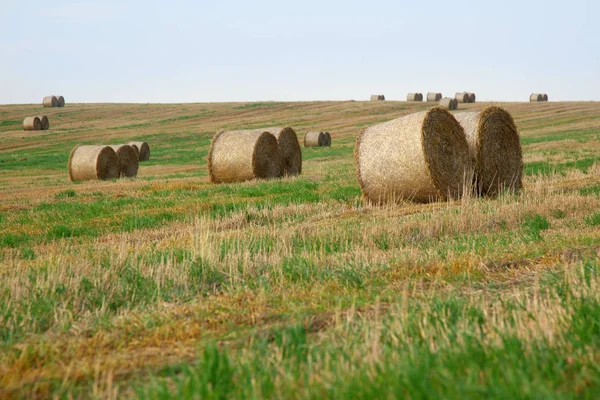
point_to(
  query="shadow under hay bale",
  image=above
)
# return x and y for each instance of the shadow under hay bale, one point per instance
(462, 97)
(92, 163)
(496, 149)
(420, 157)
(449, 103)
(377, 97)
(32, 124)
(289, 147)
(128, 160)
(50, 101)
(434, 97)
(238, 156)
(142, 149)
(314, 139)
(535, 97)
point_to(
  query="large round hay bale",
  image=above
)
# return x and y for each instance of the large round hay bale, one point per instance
(494, 144)
(142, 149)
(414, 97)
(237, 156)
(289, 148)
(449, 103)
(45, 123)
(472, 98)
(93, 162)
(535, 97)
(50, 101)
(545, 97)
(419, 157)
(314, 139)
(128, 160)
(462, 97)
(434, 96)
(60, 101)
(32, 124)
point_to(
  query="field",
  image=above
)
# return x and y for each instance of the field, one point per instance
(168, 286)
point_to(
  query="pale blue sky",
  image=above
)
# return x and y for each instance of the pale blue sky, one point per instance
(190, 51)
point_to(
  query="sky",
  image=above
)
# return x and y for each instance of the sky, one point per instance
(234, 50)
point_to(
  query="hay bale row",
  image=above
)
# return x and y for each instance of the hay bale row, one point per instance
(377, 97)
(538, 97)
(414, 97)
(53, 101)
(432, 96)
(449, 103)
(142, 150)
(102, 162)
(39, 123)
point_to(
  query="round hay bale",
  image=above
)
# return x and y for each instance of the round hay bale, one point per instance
(45, 123)
(237, 156)
(327, 139)
(434, 96)
(545, 97)
(289, 148)
(93, 162)
(50, 101)
(472, 98)
(128, 160)
(60, 101)
(314, 139)
(494, 144)
(420, 157)
(413, 97)
(449, 103)
(142, 149)
(32, 124)
(462, 97)
(535, 97)
(377, 97)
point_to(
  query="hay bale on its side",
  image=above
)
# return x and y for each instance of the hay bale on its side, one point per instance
(494, 144)
(434, 96)
(449, 103)
(472, 98)
(327, 139)
(142, 149)
(32, 124)
(93, 162)
(45, 123)
(535, 97)
(60, 101)
(50, 101)
(419, 157)
(462, 97)
(289, 147)
(377, 97)
(314, 139)
(414, 97)
(128, 160)
(237, 156)
(545, 97)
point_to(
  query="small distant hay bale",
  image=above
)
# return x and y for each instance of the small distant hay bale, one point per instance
(449, 103)
(50, 101)
(377, 97)
(420, 157)
(45, 122)
(327, 139)
(32, 124)
(462, 97)
(496, 149)
(92, 163)
(434, 96)
(238, 156)
(289, 147)
(142, 149)
(535, 97)
(472, 98)
(128, 160)
(545, 97)
(314, 139)
(60, 101)
(414, 97)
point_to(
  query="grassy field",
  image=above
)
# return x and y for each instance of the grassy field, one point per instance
(167, 286)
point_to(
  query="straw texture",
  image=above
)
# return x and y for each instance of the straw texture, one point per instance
(495, 146)
(419, 157)
(314, 139)
(237, 156)
(462, 97)
(32, 124)
(535, 97)
(60, 101)
(142, 149)
(434, 96)
(93, 162)
(128, 160)
(449, 103)
(289, 148)
(50, 101)
(377, 97)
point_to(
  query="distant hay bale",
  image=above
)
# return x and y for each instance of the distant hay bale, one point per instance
(434, 97)
(315, 139)
(449, 103)
(545, 97)
(327, 139)
(128, 160)
(289, 148)
(414, 97)
(472, 98)
(494, 144)
(462, 97)
(50, 101)
(420, 157)
(60, 102)
(237, 156)
(32, 124)
(45, 123)
(535, 97)
(377, 97)
(142, 149)
(93, 162)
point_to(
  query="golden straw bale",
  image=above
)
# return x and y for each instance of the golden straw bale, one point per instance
(472, 98)
(449, 103)
(414, 97)
(93, 162)
(462, 97)
(60, 101)
(420, 157)
(142, 149)
(535, 97)
(327, 139)
(434, 96)
(314, 139)
(377, 97)
(289, 147)
(545, 97)
(128, 160)
(32, 124)
(50, 101)
(45, 122)
(237, 156)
